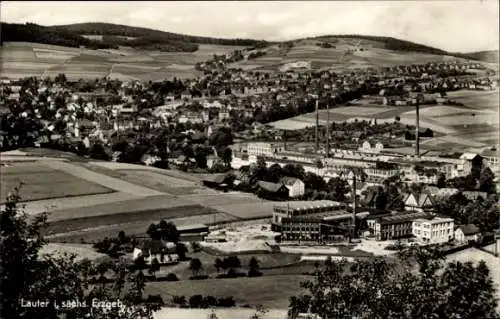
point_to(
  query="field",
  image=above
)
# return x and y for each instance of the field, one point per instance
(90, 200)
(32, 59)
(42, 182)
(269, 291)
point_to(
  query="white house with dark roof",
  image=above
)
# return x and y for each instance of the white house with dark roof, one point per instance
(467, 233)
(295, 186)
(164, 252)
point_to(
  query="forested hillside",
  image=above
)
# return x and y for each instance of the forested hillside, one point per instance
(155, 35)
(30, 32)
(113, 37)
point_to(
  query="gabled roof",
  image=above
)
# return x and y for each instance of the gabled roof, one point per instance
(289, 181)
(155, 246)
(468, 156)
(469, 229)
(270, 187)
(473, 195)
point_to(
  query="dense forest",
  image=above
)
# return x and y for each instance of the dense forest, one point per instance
(136, 32)
(30, 32)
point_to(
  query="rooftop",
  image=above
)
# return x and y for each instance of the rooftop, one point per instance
(308, 204)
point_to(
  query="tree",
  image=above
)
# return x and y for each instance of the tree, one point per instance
(253, 266)
(441, 181)
(155, 266)
(376, 289)
(261, 162)
(180, 300)
(486, 181)
(195, 266)
(218, 264)
(195, 301)
(26, 274)
(338, 188)
(226, 155)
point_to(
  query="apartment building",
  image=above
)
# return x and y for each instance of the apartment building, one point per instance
(437, 230)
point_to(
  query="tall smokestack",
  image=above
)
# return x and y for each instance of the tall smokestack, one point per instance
(317, 124)
(327, 130)
(417, 129)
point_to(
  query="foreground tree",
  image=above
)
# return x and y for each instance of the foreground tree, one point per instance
(378, 289)
(28, 276)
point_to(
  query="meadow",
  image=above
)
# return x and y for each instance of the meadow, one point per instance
(268, 291)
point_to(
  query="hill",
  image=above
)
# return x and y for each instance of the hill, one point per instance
(95, 35)
(29, 32)
(492, 56)
(387, 43)
(112, 36)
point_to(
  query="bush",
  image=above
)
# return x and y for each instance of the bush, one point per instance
(155, 299)
(195, 301)
(195, 246)
(254, 273)
(226, 302)
(172, 277)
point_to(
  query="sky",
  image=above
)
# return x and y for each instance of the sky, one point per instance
(453, 25)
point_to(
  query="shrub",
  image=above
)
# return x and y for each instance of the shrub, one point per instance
(172, 277)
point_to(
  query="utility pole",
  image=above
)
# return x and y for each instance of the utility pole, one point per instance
(353, 227)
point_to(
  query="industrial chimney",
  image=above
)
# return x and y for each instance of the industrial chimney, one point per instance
(317, 124)
(327, 130)
(353, 205)
(417, 129)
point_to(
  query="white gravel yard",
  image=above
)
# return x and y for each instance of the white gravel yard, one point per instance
(245, 238)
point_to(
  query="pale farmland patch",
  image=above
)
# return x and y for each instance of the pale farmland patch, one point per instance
(359, 110)
(43, 182)
(80, 251)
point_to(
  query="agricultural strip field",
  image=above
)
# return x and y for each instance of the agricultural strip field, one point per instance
(162, 182)
(269, 291)
(93, 234)
(133, 215)
(42, 182)
(33, 59)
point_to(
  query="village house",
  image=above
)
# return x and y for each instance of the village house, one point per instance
(467, 234)
(295, 186)
(163, 252)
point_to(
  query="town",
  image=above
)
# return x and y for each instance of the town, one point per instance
(241, 191)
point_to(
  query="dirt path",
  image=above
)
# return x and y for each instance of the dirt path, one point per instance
(106, 181)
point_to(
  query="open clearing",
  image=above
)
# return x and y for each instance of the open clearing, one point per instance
(81, 251)
(42, 182)
(269, 291)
